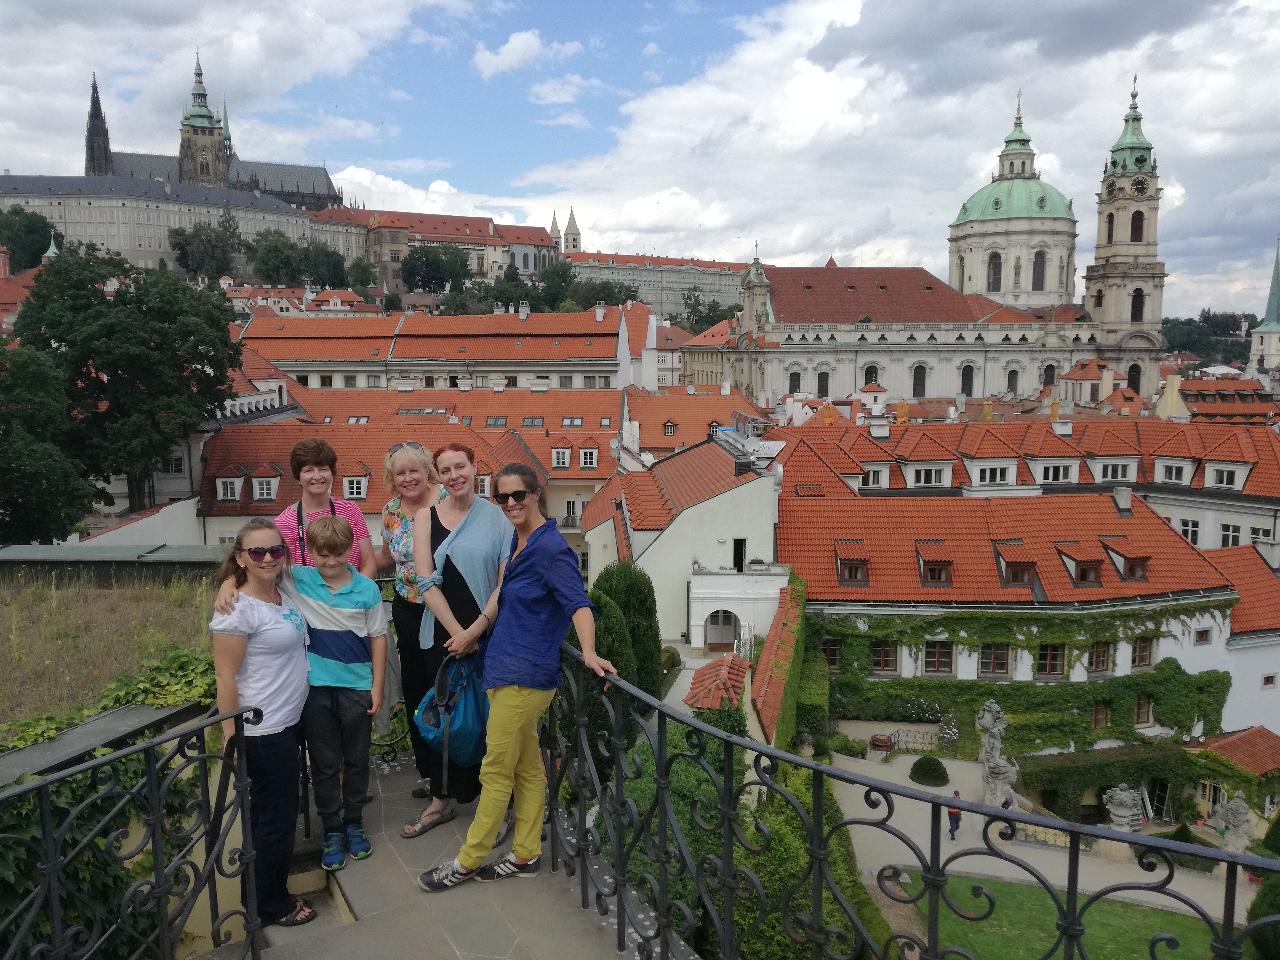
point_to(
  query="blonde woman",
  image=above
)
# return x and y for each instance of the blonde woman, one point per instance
(409, 471)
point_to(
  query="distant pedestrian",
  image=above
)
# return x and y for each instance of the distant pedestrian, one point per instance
(953, 815)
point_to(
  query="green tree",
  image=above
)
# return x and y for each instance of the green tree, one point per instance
(699, 315)
(204, 250)
(435, 268)
(391, 302)
(141, 369)
(45, 494)
(632, 590)
(590, 292)
(275, 258)
(1266, 904)
(554, 281)
(360, 273)
(1271, 840)
(27, 236)
(322, 265)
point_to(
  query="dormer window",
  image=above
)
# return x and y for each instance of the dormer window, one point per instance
(928, 477)
(853, 573)
(1135, 568)
(1089, 573)
(668, 429)
(1056, 473)
(1224, 477)
(587, 458)
(936, 573)
(560, 458)
(872, 477)
(1115, 471)
(355, 488)
(993, 476)
(1019, 574)
(228, 489)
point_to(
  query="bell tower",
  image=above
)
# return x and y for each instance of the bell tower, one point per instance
(1124, 286)
(97, 139)
(202, 154)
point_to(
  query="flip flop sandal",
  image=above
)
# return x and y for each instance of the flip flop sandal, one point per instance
(417, 828)
(303, 912)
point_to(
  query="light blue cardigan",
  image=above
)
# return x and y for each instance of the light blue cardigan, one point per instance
(476, 546)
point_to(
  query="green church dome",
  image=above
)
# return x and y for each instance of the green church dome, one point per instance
(1009, 198)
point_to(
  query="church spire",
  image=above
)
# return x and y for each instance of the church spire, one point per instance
(1271, 319)
(198, 113)
(1017, 159)
(97, 139)
(572, 235)
(1133, 150)
(226, 122)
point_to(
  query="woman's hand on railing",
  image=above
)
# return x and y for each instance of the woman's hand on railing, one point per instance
(599, 664)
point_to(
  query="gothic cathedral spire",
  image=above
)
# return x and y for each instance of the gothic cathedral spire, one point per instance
(97, 140)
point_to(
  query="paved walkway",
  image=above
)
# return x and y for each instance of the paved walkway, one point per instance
(876, 848)
(377, 910)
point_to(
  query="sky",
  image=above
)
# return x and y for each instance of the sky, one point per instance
(695, 127)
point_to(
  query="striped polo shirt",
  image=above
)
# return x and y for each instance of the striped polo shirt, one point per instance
(339, 627)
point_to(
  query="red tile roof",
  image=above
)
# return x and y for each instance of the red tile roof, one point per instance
(855, 294)
(714, 336)
(776, 660)
(601, 346)
(1256, 749)
(672, 338)
(691, 415)
(966, 531)
(1259, 608)
(713, 683)
(1088, 369)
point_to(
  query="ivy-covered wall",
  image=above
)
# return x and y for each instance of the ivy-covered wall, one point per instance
(1041, 715)
(1064, 779)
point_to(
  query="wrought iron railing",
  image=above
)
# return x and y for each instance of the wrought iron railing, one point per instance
(668, 826)
(111, 857)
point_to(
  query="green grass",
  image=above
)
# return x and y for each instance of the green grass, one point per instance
(1023, 925)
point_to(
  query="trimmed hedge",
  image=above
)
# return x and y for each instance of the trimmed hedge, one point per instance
(613, 642)
(785, 730)
(632, 590)
(1265, 904)
(1272, 838)
(839, 743)
(929, 771)
(811, 700)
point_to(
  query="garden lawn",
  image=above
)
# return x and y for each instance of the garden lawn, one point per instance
(65, 641)
(1023, 925)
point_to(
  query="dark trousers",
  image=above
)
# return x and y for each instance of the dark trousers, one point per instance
(273, 765)
(953, 819)
(415, 678)
(337, 725)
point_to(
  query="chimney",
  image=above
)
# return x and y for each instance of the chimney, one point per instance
(1269, 550)
(511, 308)
(1108, 383)
(497, 309)
(599, 311)
(524, 309)
(960, 402)
(1062, 428)
(4, 262)
(1053, 410)
(901, 410)
(988, 411)
(724, 388)
(1123, 497)
(879, 428)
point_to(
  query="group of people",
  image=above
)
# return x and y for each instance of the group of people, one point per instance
(299, 632)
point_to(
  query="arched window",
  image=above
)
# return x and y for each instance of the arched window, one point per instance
(1135, 308)
(919, 380)
(1013, 382)
(1133, 379)
(966, 380)
(1097, 297)
(1037, 270)
(870, 375)
(1136, 223)
(526, 261)
(1111, 227)
(1023, 167)
(824, 384)
(793, 383)
(993, 273)
(1050, 375)
(962, 274)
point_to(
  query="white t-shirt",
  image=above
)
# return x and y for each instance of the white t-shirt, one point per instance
(273, 673)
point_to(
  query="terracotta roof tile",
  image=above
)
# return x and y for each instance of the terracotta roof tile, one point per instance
(690, 415)
(850, 294)
(713, 683)
(776, 660)
(1258, 585)
(1256, 749)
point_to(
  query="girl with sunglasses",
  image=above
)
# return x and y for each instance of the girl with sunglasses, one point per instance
(260, 659)
(539, 595)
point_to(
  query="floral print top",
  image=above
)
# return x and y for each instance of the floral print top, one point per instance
(397, 534)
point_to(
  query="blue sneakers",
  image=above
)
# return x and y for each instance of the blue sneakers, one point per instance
(334, 856)
(357, 843)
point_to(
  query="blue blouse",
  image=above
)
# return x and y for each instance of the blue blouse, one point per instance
(541, 591)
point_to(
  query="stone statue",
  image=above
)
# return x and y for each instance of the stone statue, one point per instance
(1233, 814)
(1124, 807)
(999, 773)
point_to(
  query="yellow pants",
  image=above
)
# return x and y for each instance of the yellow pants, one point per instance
(512, 762)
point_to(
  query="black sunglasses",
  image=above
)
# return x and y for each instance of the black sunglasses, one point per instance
(516, 495)
(259, 554)
(397, 447)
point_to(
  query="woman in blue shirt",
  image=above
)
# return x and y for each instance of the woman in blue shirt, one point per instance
(539, 595)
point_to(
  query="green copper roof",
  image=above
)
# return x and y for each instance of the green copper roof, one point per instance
(1017, 141)
(1133, 150)
(198, 113)
(1015, 197)
(1271, 319)
(53, 247)
(226, 122)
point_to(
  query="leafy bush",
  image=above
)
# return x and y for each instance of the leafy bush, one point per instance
(1184, 834)
(671, 659)
(1065, 778)
(632, 590)
(1265, 904)
(1272, 838)
(929, 771)
(839, 743)
(811, 701)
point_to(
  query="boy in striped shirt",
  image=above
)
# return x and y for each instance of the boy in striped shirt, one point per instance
(346, 659)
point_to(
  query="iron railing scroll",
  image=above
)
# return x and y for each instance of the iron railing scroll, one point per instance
(666, 824)
(111, 858)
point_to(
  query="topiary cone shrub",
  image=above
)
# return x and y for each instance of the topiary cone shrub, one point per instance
(1272, 838)
(1267, 903)
(929, 772)
(631, 589)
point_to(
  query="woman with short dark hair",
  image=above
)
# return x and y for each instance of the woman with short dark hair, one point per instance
(539, 595)
(313, 462)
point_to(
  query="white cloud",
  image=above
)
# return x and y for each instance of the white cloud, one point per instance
(520, 50)
(395, 93)
(565, 89)
(651, 49)
(419, 37)
(568, 118)
(406, 164)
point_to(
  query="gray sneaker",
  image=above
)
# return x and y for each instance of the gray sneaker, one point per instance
(508, 867)
(446, 875)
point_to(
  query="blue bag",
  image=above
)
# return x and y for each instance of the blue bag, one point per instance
(453, 715)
